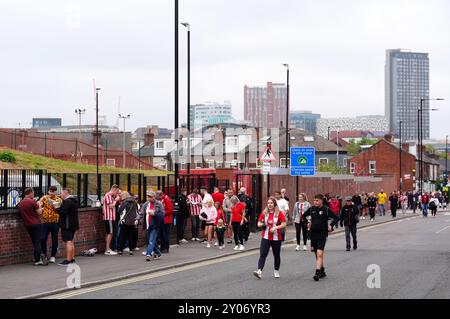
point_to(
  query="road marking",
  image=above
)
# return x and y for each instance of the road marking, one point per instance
(442, 229)
(157, 274)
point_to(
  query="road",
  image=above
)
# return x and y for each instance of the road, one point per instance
(413, 256)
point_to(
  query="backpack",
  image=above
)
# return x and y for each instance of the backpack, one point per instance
(432, 204)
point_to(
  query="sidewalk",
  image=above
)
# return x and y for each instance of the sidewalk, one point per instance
(26, 280)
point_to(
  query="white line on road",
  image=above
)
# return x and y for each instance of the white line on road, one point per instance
(442, 229)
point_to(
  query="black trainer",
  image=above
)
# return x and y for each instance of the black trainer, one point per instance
(65, 262)
(317, 275)
(322, 273)
(348, 249)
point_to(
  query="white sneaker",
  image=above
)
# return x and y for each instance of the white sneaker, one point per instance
(127, 249)
(297, 248)
(304, 247)
(136, 249)
(241, 247)
(52, 260)
(364, 218)
(371, 219)
(216, 244)
(144, 253)
(197, 239)
(236, 247)
(184, 240)
(276, 274)
(220, 247)
(208, 245)
(110, 253)
(193, 239)
(258, 273)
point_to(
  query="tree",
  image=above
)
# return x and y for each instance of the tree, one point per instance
(354, 148)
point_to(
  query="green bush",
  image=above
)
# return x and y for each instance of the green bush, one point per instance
(8, 157)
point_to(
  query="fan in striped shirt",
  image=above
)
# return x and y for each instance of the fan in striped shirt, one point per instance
(109, 216)
(194, 202)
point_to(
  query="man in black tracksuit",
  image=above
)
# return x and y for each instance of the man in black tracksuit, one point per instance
(349, 218)
(317, 218)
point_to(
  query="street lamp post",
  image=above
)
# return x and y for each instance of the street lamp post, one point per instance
(80, 112)
(123, 144)
(187, 25)
(96, 143)
(446, 159)
(420, 137)
(337, 147)
(176, 97)
(400, 152)
(328, 132)
(287, 115)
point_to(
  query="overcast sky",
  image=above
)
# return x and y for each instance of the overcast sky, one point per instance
(51, 50)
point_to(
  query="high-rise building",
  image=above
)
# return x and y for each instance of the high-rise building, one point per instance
(373, 123)
(407, 81)
(305, 120)
(265, 106)
(210, 113)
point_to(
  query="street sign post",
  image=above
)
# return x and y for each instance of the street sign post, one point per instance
(303, 161)
(266, 167)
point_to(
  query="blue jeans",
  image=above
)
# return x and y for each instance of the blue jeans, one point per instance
(425, 209)
(52, 228)
(382, 210)
(152, 247)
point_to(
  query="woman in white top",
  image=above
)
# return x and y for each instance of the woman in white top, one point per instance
(433, 207)
(209, 215)
(299, 209)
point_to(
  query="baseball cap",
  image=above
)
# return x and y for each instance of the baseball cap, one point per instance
(347, 198)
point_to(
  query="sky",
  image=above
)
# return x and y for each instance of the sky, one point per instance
(52, 50)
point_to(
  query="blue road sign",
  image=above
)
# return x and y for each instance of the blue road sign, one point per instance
(303, 161)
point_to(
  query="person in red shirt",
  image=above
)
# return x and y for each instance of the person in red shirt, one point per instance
(220, 215)
(237, 220)
(272, 221)
(168, 220)
(217, 195)
(31, 213)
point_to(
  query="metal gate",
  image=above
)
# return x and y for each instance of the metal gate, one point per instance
(253, 183)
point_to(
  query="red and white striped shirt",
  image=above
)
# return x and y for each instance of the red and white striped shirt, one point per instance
(271, 222)
(108, 212)
(195, 204)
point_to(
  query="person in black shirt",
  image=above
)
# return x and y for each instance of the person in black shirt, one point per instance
(317, 218)
(349, 218)
(372, 204)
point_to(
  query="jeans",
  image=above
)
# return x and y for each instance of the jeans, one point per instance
(264, 251)
(425, 209)
(52, 228)
(115, 236)
(299, 228)
(165, 236)
(237, 231)
(382, 209)
(195, 226)
(35, 232)
(152, 247)
(352, 230)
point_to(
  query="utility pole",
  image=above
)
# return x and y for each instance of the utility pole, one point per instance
(123, 143)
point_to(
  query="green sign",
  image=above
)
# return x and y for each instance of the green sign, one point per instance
(302, 160)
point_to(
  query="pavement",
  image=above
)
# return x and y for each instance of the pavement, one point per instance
(28, 281)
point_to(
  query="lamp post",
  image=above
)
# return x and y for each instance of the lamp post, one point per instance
(420, 137)
(123, 145)
(446, 159)
(328, 132)
(80, 112)
(337, 147)
(187, 25)
(96, 143)
(287, 115)
(176, 96)
(400, 152)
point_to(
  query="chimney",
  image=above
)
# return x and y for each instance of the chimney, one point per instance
(149, 137)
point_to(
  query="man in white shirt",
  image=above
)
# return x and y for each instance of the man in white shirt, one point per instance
(282, 204)
(206, 196)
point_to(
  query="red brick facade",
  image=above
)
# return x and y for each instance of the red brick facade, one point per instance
(387, 158)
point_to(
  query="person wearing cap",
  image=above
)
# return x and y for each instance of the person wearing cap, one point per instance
(349, 218)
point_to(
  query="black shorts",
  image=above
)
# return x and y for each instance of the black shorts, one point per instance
(203, 225)
(318, 241)
(67, 235)
(209, 224)
(109, 227)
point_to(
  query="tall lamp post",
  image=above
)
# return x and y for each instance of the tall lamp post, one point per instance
(400, 152)
(80, 113)
(176, 97)
(446, 159)
(288, 142)
(96, 144)
(420, 137)
(124, 117)
(187, 25)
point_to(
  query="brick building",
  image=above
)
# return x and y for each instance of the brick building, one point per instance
(383, 158)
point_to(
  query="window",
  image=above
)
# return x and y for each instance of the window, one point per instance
(352, 167)
(198, 164)
(323, 161)
(232, 141)
(110, 162)
(219, 164)
(282, 162)
(372, 167)
(345, 162)
(183, 164)
(160, 145)
(211, 163)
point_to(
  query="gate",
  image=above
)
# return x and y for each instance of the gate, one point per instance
(253, 183)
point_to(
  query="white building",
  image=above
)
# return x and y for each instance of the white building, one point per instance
(375, 123)
(210, 113)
